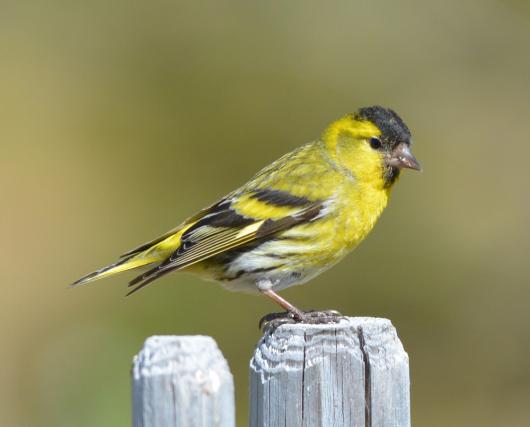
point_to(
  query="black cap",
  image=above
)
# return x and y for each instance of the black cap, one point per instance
(393, 129)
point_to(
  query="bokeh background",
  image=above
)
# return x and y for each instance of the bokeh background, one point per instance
(120, 119)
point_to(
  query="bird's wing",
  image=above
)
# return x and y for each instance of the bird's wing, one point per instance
(170, 233)
(234, 221)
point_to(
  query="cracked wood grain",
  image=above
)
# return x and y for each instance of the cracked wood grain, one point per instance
(353, 373)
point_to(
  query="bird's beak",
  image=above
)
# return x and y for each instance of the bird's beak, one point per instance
(401, 157)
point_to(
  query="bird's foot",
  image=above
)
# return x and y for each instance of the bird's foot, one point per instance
(273, 320)
(312, 317)
(316, 317)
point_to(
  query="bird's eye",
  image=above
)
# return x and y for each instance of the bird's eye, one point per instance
(375, 143)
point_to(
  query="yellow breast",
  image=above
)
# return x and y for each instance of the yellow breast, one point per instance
(361, 208)
(364, 193)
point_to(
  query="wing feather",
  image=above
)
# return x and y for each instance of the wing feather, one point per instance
(218, 241)
(213, 209)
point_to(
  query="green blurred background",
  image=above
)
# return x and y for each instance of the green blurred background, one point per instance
(120, 119)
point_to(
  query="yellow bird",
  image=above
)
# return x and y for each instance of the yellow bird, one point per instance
(293, 220)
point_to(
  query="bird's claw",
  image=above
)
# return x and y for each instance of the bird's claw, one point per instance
(273, 320)
(312, 317)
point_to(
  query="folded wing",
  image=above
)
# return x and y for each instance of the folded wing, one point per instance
(227, 225)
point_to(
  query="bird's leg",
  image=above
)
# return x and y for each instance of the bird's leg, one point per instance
(273, 320)
(296, 313)
(293, 314)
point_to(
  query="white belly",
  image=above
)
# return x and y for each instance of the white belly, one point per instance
(253, 269)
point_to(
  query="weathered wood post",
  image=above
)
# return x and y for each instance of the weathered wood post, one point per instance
(182, 381)
(352, 373)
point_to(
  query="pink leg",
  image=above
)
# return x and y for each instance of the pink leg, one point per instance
(298, 314)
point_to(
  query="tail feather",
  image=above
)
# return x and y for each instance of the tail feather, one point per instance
(129, 263)
(155, 251)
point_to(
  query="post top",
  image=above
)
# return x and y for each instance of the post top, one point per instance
(182, 355)
(371, 323)
(294, 345)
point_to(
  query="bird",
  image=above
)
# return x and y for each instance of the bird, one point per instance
(293, 220)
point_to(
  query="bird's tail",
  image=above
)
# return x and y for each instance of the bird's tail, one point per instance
(155, 251)
(128, 263)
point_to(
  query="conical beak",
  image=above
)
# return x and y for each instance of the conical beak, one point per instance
(402, 158)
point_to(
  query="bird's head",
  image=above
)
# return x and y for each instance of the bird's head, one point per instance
(373, 143)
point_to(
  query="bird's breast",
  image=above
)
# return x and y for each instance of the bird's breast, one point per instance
(362, 206)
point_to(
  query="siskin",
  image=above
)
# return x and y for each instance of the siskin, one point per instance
(293, 220)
